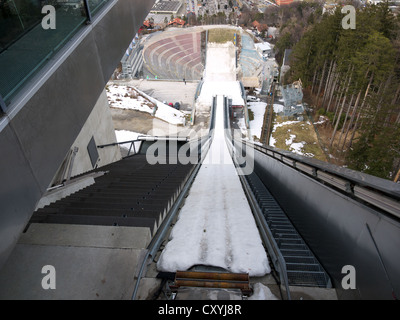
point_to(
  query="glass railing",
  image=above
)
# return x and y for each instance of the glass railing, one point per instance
(95, 5)
(29, 38)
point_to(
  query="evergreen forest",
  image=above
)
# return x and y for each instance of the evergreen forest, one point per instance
(352, 76)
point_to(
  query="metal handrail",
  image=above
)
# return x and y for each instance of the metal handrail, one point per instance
(143, 138)
(161, 233)
(383, 194)
(132, 144)
(265, 232)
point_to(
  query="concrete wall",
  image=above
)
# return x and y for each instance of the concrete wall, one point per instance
(336, 229)
(43, 122)
(100, 126)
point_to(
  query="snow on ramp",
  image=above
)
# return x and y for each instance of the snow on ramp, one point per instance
(221, 62)
(216, 226)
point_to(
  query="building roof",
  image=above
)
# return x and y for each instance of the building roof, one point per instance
(148, 24)
(177, 21)
(283, 2)
(263, 46)
(166, 7)
(259, 26)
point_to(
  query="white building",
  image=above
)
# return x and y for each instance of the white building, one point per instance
(264, 49)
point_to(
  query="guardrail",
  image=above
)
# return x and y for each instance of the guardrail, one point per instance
(132, 144)
(380, 193)
(265, 232)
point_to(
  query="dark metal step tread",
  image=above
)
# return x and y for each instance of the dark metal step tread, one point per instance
(95, 220)
(303, 267)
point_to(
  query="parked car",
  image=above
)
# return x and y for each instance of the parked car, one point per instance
(177, 105)
(252, 99)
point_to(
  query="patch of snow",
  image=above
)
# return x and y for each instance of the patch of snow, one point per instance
(125, 135)
(278, 108)
(258, 109)
(262, 292)
(290, 140)
(321, 120)
(297, 147)
(221, 62)
(126, 97)
(272, 141)
(231, 89)
(285, 123)
(242, 126)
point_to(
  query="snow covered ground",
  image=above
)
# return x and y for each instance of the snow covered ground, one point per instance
(278, 108)
(272, 140)
(212, 88)
(296, 147)
(220, 75)
(216, 226)
(126, 97)
(258, 109)
(262, 292)
(221, 62)
(295, 141)
(125, 135)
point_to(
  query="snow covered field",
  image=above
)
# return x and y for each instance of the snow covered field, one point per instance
(126, 97)
(216, 226)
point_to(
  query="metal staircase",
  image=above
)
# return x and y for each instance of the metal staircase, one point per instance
(130, 193)
(303, 269)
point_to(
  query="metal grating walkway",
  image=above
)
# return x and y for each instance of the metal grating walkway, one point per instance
(303, 269)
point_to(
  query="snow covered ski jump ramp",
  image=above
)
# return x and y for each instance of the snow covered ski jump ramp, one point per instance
(216, 226)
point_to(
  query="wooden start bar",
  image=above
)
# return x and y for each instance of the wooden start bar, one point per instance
(213, 280)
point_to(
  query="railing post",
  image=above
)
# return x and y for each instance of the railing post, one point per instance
(130, 148)
(87, 10)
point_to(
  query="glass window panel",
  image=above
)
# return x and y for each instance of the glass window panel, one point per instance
(25, 46)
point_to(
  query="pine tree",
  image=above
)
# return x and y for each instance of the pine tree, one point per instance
(356, 75)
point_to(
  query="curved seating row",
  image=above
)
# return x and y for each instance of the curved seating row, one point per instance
(175, 57)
